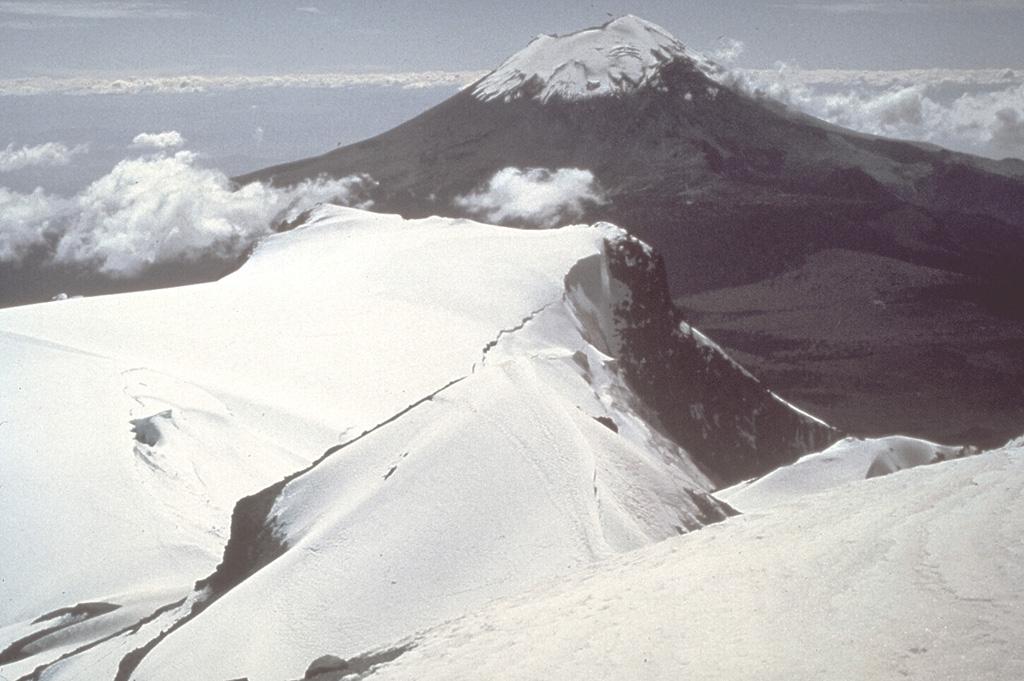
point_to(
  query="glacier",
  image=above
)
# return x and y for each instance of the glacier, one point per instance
(372, 426)
(619, 57)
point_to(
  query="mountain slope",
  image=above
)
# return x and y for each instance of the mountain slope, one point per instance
(853, 350)
(731, 189)
(895, 577)
(668, 144)
(413, 417)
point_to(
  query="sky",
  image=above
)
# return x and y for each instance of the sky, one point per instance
(113, 38)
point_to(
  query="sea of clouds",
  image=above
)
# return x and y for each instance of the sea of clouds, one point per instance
(977, 111)
(191, 84)
(974, 111)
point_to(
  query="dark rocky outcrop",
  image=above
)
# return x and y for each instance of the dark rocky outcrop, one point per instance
(727, 419)
(327, 668)
(66, 617)
(252, 543)
(334, 668)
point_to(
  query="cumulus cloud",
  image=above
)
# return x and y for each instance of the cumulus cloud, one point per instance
(160, 140)
(534, 196)
(1009, 129)
(26, 222)
(727, 51)
(973, 111)
(154, 210)
(48, 154)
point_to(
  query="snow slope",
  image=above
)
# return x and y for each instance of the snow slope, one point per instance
(372, 426)
(613, 59)
(911, 575)
(92, 513)
(846, 461)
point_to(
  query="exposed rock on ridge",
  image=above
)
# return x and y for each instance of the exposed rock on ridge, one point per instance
(732, 425)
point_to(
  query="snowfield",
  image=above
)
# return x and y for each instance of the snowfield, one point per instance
(417, 416)
(377, 426)
(617, 58)
(914, 575)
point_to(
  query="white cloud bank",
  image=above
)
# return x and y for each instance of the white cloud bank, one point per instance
(535, 196)
(727, 51)
(190, 84)
(160, 140)
(155, 210)
(964, 109)
(975, 111)
(904, 6)
(48, 154)
(103, 9)
(25, 221)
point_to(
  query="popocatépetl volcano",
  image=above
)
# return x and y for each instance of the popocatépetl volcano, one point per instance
(761, 214)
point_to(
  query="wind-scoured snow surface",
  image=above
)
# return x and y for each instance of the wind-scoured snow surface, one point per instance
(616, 58)
(913, 575)
(417, 416)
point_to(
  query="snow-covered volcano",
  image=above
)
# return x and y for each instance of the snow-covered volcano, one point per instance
(618, 58)
(413, 416)
(623, 123)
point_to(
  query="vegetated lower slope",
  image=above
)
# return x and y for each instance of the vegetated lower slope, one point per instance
(734, 190)
(414, 417)
(903, 576)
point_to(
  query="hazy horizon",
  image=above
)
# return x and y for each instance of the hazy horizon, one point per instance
(115, 38)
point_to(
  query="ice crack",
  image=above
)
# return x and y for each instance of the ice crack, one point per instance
(511, 330)
(391, 419)
(254, 542)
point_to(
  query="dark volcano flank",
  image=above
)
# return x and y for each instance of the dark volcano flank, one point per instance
(734, 192)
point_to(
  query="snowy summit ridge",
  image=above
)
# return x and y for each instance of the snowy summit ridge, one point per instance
(619, 57)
